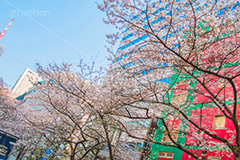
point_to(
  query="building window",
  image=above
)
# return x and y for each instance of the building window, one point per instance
(182, 82)
(174, 135)
(165, 155)
(180, 93)
(137, 147)
(219, 122)
(179, 99)
(213, 158)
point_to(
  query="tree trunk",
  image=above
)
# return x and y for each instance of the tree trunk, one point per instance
(236, 152)
(204, 155)
(21, 153)
(73, 149)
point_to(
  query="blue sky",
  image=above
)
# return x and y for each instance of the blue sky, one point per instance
(49, 31)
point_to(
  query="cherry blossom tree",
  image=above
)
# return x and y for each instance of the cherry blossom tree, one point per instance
(32, 141)
(72, 110)
(12, 122)
(176, 57)
(7, 103)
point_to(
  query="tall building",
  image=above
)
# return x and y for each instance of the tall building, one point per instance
(202, 110)
(201, 106)
(25, 83)
(2, 45)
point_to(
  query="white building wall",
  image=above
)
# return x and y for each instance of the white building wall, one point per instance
(25, 83)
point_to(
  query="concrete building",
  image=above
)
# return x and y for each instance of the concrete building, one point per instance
(214, 119)
(25, 82)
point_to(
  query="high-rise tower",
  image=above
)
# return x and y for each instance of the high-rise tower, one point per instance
(2, 45)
